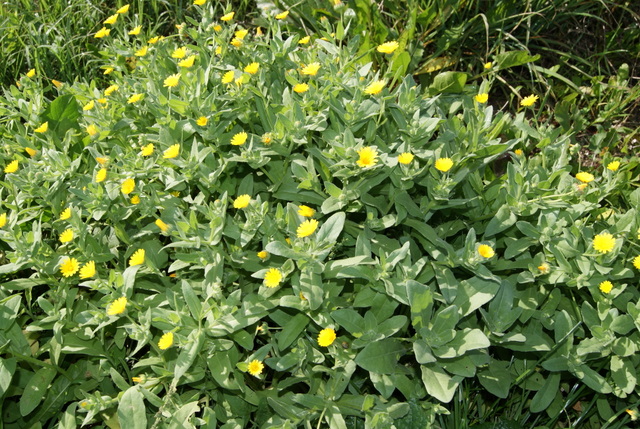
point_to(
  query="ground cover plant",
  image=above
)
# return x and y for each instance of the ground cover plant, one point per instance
(256, 227)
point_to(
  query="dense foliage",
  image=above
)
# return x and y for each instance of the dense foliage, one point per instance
(257, 227)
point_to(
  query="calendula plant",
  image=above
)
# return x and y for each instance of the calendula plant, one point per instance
(251, 228)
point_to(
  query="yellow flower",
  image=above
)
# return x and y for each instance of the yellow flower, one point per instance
(166, 341)
(241, 34)
(199, 2)
(604, 242)
(227, 17)
(137, 258)
(142, 51)
(172, 81)
(92, 130)
(134, 98)
(636, 262)
(102, 100)
(307, 228)
(272, 277)
(101, 175)
(107, 70)
(304, 40)
(242, 201)
(30, 151)
(90, 105)
(3, 222)
(482, 98)
(57, 83)
(31, 73)
(255, 367)
(179, 53)
(66, 236)
(544, 268)
(239, 139)
(252, 68)
(103, 32)
(367, 157)
(187, 62)
(444, 164)
(326, 337)
(154, 40)
(529, 100)
(606, 286)
(263, 254)
(135, 200)
(388, 47)
(581, 186)
(111, 89)
(123, 9)
(135, 31)
(140, 380)
(584, 177)
(300, 88)
(236, 42)
(486, 251)
(66, 214)
(147, 150)
(163, 226)
(633, 414)
(12, 167)
(405, 158)
(128, 185)
(217, 28)
(266, 138)
(375, 87)
(42, 128)
(228, 76)
(172, 152)
(202, 121)
(69, 267)
(306, 211)
(88, 270)
(101, 160)
(518, 152)
(613, 166)
(311, 69)
(488, 65)
(111, 20)
(282, 15)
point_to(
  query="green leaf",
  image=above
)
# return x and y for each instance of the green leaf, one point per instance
(7, 368)
(474, 293)
(448, 82)
(381, 356)
(331, 229)
(188, 354)
(192, 300)
(544, 396)
(438, 383)
(281, 249)
(180, 419)
(421, 302)
(291, 331)
(131, 409)
(350, 320)
(510, 59)
(63, 112)
(496, 378)
(35, 389)
(503, 219)
(9, 308)
(592, 379)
